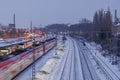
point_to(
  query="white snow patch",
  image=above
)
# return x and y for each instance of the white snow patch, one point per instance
(104, 61)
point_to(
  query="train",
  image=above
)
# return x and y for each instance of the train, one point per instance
(12, 64)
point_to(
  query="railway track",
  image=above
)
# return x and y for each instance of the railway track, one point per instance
(62, 74)
(78, 57)
(77, 64)
(73, 73)
(100, 63)
(71, 69)
(87, 68)
(78, 60)
(109, 68)
(69, 59)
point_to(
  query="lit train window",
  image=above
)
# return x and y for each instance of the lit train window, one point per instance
(4, 52)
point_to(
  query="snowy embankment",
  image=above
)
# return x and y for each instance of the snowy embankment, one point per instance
(48, 71)
(113, 70)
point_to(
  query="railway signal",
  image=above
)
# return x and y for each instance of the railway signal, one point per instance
(94, 54)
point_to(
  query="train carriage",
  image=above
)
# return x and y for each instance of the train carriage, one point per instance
(11, 66)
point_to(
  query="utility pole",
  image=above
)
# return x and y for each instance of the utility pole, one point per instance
(33, 65)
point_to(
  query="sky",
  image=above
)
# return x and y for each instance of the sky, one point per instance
(44, 12)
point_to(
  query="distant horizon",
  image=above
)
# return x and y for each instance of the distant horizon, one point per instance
(45, 12)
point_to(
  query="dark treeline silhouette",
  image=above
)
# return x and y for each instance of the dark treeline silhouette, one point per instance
(84, 28)
(104, 33)
(56, 28)
(102, 22)
(102, 25)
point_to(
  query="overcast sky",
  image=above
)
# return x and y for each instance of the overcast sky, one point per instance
(52, 11)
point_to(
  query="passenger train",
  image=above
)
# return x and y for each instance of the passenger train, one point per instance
(16, 55)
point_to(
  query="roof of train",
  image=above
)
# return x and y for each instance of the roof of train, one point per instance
(13, 54)
(10, 42)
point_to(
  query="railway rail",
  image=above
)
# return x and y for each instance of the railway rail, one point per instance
(100, 63)
(70, 68)
(77, 60)
(69, 57)
(87, 68)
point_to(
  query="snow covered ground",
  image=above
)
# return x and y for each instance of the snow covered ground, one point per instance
(53, 68)
(64, 63)
(50, 67)
(113, 70)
